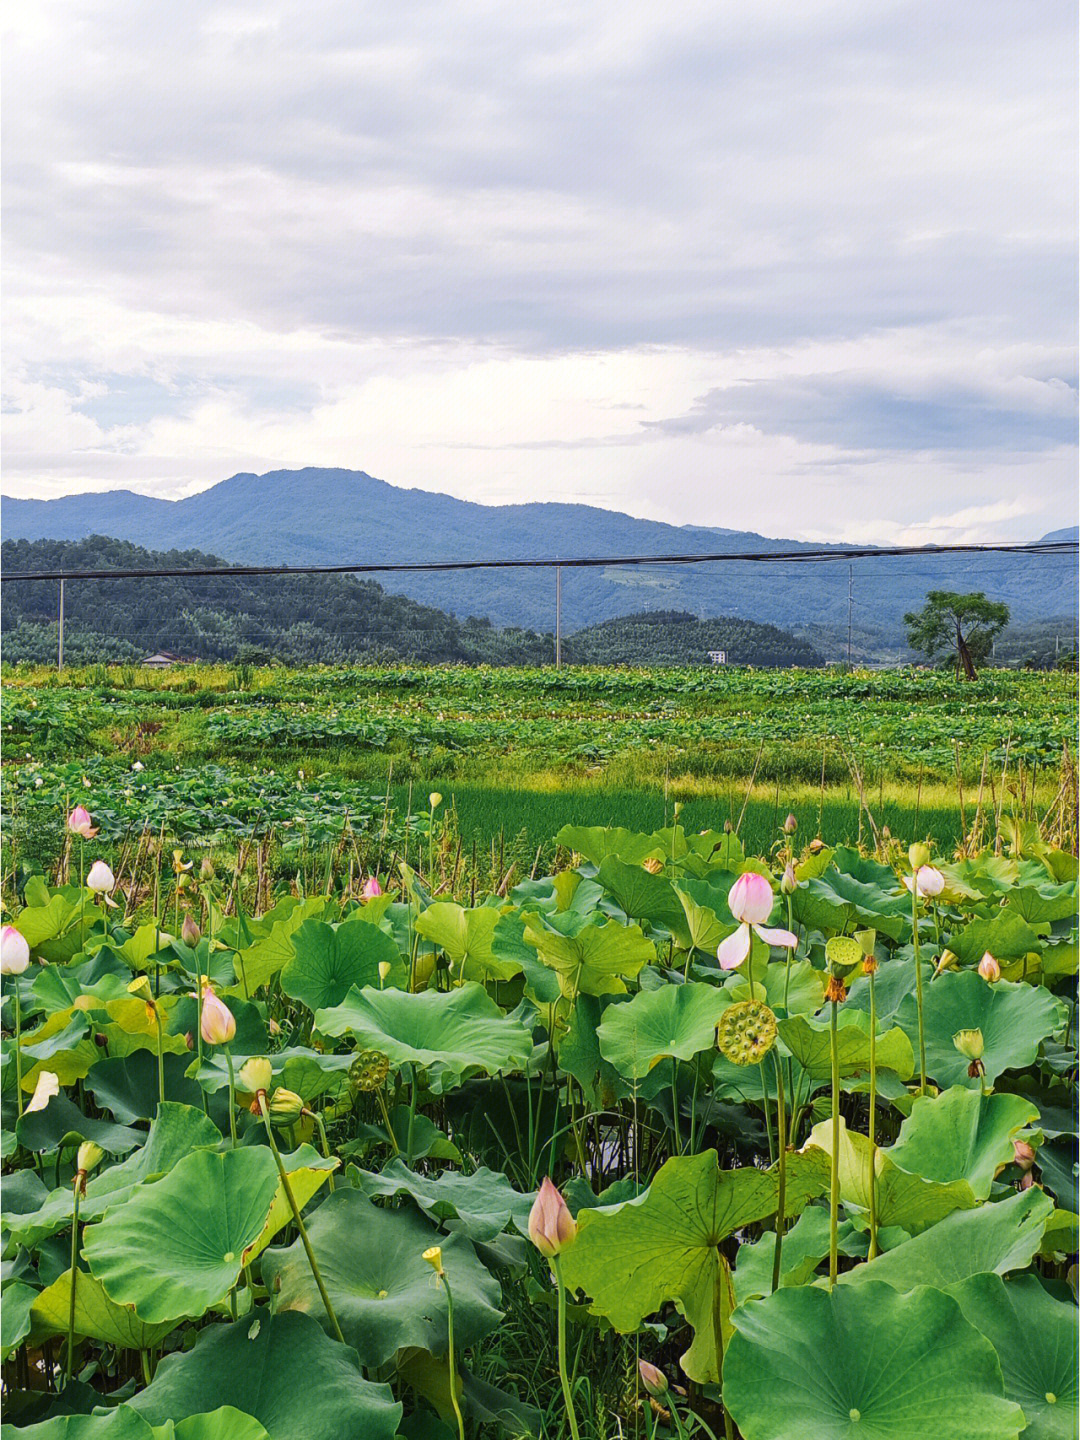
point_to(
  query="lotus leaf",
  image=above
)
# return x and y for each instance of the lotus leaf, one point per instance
(679, 1021)
(96, 1316)
(62, 1124)
(465, 937)
(808, 1041)
(961, 1134)
(591, 955)
(329, 960)
(482, 1204)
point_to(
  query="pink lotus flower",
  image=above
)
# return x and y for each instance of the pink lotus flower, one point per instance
(79, 822)
(14, 952)
(371, 889)
(218, 1026)
(989, 968)
(551, 1226)
(750, 900)
(926, 882)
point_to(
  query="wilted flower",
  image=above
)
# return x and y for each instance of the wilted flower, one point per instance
(14, 951)
(254, 1075)
(47, 1086)
(190, 933)
(816, 846)
(100, 878)
(285, 1106)
(551, 1226)
(1023, 1154)
(80, 823)
(750, 900)
(926, 882)
(89, 1157)
(371, 889)
(654, 1380)
(433, 1256)
(989, 968)
(218, 1026)
(179, 864)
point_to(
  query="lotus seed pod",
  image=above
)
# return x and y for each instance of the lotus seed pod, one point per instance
(843, 951)
(384, 970)
(140, 987)
(433, 1256)
(285, 1106)
(255, 1074)
(918, 855)
(434, 799)
(369, 1070)
(969, 1043)
(89, 1157)
(746, 1032)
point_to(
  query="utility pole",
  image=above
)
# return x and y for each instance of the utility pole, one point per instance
(60, 631)
(558, 617)
(850, 603)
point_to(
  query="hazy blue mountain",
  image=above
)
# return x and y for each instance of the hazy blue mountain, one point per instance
(318, 515)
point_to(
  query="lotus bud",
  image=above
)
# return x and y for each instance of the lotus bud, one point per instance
(206, 869)
(1023, 1154)
(100, 878)
(255, 1074)
(886, 833)
(434, 799)
(80, 823)
(273, 1026)
(789, 881)
(190, 933)
(551, 1226)
(678, 808)
(654, 1380)
(371, 889)
(750, 899)
(47, 1086)
(285, 1106)
(918, 856)
(89, 1157)
(140, 987)
(384, 971)
(14, 952)
(989, 968)
(433, 1256)
(189, 1039)
(218, 1026)
(728, 827)
(790, 825)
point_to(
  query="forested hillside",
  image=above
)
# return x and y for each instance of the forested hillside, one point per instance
(675, 637)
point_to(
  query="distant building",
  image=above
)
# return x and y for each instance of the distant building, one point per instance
(162, 659)
(718, 657)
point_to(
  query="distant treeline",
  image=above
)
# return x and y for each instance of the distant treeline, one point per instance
(318, 618)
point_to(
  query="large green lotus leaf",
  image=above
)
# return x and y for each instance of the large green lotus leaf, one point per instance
(1007, 936)
(383, 1291)
(465, 936)
(804, 1247)
(65, 1051)
(281, 1369)
(802, 986)
(644, 896)
(96, 1316)
(15, 1317)
(483, 1203)
(177, 1247)
(961, 1134)
(808, 1040)
(579, 1053)
(128, 1086)
(1038, 904)
(902, 1199)
(596, 842)
(1035, 1337)
(38, 923)
(664, 1246)
(703, 926)
(679, 1021)
(447, 1032)
(177, 1131)
(62, 1124)
(834, 901)
(123, 1423)
(865, 1364)
(329, 960)
(257, 964)
(993, 1238)
(590, 955)
(228, 1423)
(1014, 1020)
(509, 946)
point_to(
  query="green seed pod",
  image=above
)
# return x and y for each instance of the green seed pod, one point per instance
(842, 952)
(369, 1070)
(746, 1032)
(285, 1107)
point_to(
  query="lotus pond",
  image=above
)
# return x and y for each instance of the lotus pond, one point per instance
(675, 1140)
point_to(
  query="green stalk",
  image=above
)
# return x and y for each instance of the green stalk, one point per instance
(69, 1362)
(323, 1140)
(18, 1047)
(450, 1355)
(564, 1381)
(873, 1122)
(834, 1176)
(160, 1055)
(918, 985)
(386, 1121)
(232, 1096)
(287, 1187)
(781, 1192)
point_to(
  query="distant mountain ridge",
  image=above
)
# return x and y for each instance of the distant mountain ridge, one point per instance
(315, 516)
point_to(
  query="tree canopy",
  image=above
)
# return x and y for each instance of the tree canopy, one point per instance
(966, 624)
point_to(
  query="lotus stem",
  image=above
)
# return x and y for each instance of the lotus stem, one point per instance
(160, 1055)
(781, 1190)
(564, 1381)
(386, 1121)
(18, 1046)
(322, 1139)
(287, 1187)
(834, 1168)
(450, 1355)
(918, 987)
(70, 1359)
(873, 1123)
(232, 1095)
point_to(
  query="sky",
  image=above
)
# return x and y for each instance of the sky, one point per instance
(807, 269)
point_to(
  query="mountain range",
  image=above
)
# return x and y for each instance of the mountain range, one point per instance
(322, 516)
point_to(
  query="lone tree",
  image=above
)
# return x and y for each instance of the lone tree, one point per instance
(966, 623)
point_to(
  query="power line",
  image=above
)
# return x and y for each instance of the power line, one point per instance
(809, 555)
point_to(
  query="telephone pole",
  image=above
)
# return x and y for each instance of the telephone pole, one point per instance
(558, 617)
(850, 603)
(60, 631)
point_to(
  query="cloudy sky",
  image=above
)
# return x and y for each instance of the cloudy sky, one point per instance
(807, 268)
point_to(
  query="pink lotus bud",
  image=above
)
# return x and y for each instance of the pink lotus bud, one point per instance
(1023, 1154)
(551, 1226)
(790, 825)
(654, 1380)
(989, 968)
(14, 952)
(79, 822)
(189, 1040)
(218, 1025)
(789, 882)
(190, 933)
(371, 889)
(750, 899)
(100, 878)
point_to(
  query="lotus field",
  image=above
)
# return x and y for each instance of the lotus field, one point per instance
(676, 1140)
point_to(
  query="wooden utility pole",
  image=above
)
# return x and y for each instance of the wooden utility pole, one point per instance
(850, 602)
(60, 632)
(558, 617)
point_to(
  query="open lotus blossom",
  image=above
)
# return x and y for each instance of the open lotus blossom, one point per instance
(989, 968)
(371, 889)
(100, 878)
(14, 952)
(47, 1086)
(79, 822)
(926, 882)
(218, 1026)
(750, 900)
(551, 1226)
